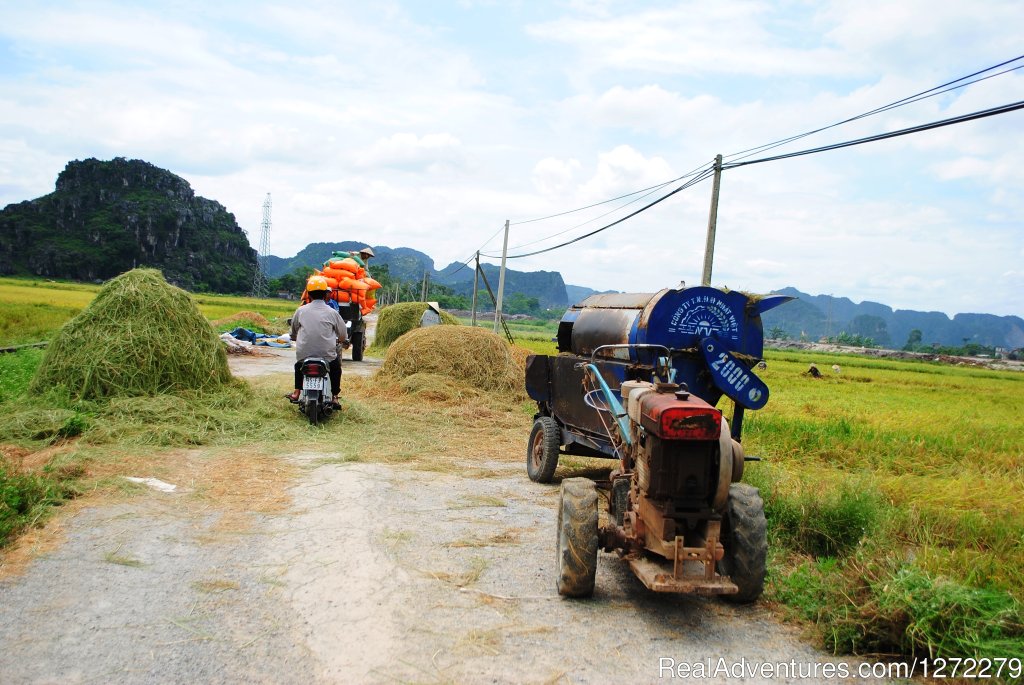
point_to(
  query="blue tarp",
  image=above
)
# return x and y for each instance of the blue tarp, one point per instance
(259, 339)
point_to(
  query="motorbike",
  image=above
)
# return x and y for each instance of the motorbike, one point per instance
(315, 400)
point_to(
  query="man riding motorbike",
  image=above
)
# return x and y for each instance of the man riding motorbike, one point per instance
(317, 330)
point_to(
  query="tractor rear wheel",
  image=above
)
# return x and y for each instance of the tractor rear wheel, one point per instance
(745, 538)
(577, 538)
(542, 450)
(358, 345)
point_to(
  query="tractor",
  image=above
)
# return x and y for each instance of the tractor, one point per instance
(638, 379)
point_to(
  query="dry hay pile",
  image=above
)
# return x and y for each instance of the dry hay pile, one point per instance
(398, 319)
(140, 336)
(452, 361)
(519, 355)
(250, 320)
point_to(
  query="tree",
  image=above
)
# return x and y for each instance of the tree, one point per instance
(518, 303)
(777, 333)
(914, 339)
(293, 283)
(868, 326)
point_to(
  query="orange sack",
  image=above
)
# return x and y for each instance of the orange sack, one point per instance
(342, 296)
(370, 281)
(346, 264)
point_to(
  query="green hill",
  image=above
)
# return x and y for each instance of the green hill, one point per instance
(105, 218)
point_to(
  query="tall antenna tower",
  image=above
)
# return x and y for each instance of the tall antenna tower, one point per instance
(259, 280)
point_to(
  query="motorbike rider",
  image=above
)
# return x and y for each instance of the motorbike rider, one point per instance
(317, 330)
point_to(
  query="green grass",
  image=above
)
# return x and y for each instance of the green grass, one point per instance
(894, 496)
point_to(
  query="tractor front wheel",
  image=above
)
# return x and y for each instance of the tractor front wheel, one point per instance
(745, 538)
(577, 538)
(542, 450)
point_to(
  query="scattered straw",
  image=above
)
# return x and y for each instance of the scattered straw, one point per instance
(140, 336)
(398, 319)
(472, 357)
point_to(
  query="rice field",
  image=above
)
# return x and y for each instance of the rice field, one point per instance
(33, 310)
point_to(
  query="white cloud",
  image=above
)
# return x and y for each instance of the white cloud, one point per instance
(553, 176)
(411, 152)
(692, 37)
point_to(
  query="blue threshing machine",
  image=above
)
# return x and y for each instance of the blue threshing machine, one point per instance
(637, 379)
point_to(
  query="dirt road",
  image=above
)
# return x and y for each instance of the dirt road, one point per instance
(368, 574)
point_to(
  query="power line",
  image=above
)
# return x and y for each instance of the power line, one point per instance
(604, 202)
(910, 99)
(473, 256)
(980, 114)
(703, 172)
(703, 177)
(649, 192)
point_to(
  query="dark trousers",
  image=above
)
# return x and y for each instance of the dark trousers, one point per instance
(333, 370)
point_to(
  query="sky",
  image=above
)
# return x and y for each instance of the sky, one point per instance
(429, 124)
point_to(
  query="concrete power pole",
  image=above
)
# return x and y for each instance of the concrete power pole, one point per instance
(501, 281)
(476, 277)
(709, 248)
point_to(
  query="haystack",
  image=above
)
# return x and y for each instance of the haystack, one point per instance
(398, 319)
(140, 336)
(468, 356)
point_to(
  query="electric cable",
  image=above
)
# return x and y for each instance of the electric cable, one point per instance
(604, 202)
(601, 216)
(472, 256)
(910, 99)
(980, 114)
(684, 186)
(704, 171)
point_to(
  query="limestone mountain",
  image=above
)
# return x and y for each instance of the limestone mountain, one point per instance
(814, 316)
(106, 217)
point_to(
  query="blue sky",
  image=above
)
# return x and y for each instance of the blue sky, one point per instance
(427, 124)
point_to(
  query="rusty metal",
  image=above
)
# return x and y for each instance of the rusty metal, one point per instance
(659, 577)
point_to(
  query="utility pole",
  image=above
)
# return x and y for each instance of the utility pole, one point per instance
(423, 292)
(709, 248)
(476, 276)
(501, 280)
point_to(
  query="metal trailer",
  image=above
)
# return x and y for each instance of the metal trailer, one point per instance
(637, 379)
